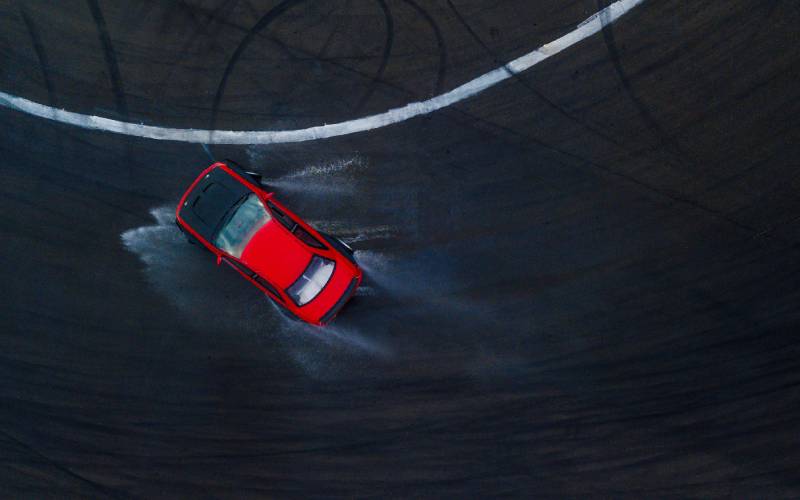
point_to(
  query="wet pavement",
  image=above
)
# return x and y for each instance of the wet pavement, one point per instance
(581, 282)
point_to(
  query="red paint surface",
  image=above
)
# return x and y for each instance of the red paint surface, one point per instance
(276, 254)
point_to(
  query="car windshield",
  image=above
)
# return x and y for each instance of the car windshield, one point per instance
(247, 217)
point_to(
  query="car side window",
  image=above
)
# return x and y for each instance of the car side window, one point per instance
(250, 273)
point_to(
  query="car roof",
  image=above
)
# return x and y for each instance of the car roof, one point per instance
(209, 200)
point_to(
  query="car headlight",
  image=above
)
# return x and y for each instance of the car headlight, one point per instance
(312, 281)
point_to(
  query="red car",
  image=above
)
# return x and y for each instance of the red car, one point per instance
(310, 275)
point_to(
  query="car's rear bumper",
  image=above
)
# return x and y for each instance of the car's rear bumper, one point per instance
(348, 293)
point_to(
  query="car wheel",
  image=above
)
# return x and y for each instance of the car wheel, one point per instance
(191, 239)
(258, 179)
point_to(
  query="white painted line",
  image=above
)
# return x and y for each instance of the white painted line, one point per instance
(586, 29)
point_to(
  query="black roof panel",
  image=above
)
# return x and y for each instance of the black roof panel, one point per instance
(209, 201)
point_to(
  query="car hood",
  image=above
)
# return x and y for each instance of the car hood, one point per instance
(276, 254)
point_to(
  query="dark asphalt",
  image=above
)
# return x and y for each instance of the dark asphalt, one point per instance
(581, 283)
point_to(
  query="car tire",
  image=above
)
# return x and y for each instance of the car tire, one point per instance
(258, 179)
(191, 239)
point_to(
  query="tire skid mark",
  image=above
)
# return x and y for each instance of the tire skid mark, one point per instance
(111, 58)
(289, 49)
(271, 16)
(549, 102)
(38, 47)
(608, 170)
(392, 116)
(658, 131)
(437, 32)
(675, 197)
(219, 14)
(387, 53)
(687, 46)
(333, 33)
(262, 23)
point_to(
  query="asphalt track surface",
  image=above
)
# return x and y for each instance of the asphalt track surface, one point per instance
(581, 282)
